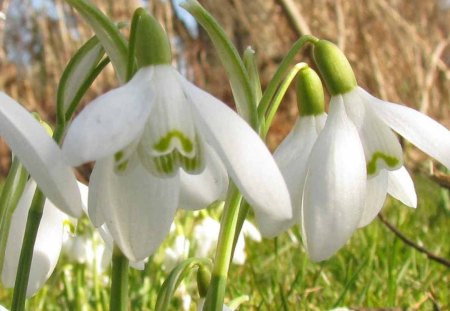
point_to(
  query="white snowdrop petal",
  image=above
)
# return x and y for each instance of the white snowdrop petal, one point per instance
(138, 208)
(247, 159)
(40, 155)
(422, 131)
(375, 197)
(401, 187)
(47, 246)
(381, 147)
(199, 191)
(335, 185)
(111, 122)
(292, 156)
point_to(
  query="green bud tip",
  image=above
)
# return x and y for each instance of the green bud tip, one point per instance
(334, 67)
(310, 97)
(152, 46)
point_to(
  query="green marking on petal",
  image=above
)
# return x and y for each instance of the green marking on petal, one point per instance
(164, 143)
(118, 156)
(389, 160)
(121, 167)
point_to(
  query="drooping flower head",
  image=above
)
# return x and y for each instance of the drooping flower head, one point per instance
(293, 153)
(144, 134)
(357, 158)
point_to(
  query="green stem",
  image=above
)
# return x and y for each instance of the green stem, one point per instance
(119, 282)
(279, 74)
(26, 254)
(272, 109)
(216, 291)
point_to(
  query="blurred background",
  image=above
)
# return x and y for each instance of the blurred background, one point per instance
(399, 49)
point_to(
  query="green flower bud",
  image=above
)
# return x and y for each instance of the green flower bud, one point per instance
(334, 67)
(203, 280)
(310, 97)
(152, 46)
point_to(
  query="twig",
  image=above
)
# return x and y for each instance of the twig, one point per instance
(409, 242)
(296, 18)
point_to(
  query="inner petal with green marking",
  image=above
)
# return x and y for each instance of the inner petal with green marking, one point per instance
(381, 160)
(172, 151)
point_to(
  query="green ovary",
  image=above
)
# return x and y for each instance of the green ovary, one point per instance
(389, 160)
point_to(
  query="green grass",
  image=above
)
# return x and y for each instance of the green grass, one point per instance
(374, 270)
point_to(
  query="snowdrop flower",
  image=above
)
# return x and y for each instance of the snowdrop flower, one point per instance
(176, 253)
(2, 308)
(46, 249)
(293, 153)
(357, 158)
(146, 133)
(40, 155)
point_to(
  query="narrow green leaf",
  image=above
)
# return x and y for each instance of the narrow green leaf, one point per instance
(9, 198)
(108, 33)
(174, 279)
(253, 74)
(77, 71)
(239, 78)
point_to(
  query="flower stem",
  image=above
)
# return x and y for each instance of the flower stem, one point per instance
(216, 291)
(26, 254)
(279, 74)
(119, 282)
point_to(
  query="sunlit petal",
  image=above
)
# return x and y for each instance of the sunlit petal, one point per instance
(138, 208)
(40, 155)
(335, 185)
(401, 187)
(199, 191)
(248, 161)
(47, 247)
(292, 156)
(381, 147)
(377, 187)
(110, 122)
(419, 129)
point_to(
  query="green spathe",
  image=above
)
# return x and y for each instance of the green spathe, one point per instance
(334, 67)
(310, 97)
(152, 47)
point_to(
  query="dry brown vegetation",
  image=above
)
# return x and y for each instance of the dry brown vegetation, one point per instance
(398, 48)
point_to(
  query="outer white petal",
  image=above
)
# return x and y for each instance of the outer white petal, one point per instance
(419, 129)
(248, 161)
(292, 156)
(377, 187)
(46, 249)
(335, 185)
(110, 122)
(95, 188)
(2, 308)
(376, 137)
(401, 187)
(199, 191)
(40, 155)
(138, 208)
